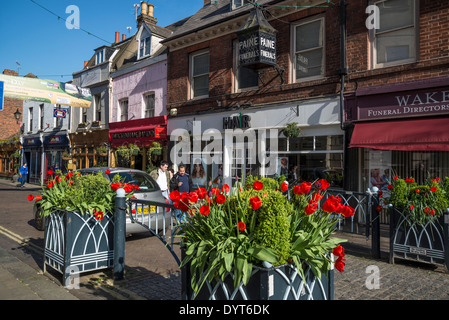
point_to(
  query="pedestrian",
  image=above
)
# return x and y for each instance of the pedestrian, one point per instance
(162, 176)
(182, 182)
(23, 173)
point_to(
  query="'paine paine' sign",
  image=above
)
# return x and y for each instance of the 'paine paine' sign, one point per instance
(257, 47)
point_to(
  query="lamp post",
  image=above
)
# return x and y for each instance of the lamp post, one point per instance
(17, 115)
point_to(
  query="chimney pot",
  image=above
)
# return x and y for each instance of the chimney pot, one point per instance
(144, 7)
(85, 63)
(117, 37)
(150, 9)
(123, 37)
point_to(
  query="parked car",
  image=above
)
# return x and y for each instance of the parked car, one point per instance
(148, 190)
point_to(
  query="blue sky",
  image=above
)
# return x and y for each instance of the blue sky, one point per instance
(44, 46)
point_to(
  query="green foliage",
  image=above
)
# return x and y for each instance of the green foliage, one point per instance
(278, 232)
(420, 203)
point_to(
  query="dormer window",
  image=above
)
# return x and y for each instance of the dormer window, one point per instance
(99, 56)
(238, 3)
(144, 43)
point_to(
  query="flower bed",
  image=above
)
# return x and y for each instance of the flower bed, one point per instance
(417, 221)
(79, 226)
(233, 231)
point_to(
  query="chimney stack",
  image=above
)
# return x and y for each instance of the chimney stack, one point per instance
(117, 37)
(123, 37)
(146, 14)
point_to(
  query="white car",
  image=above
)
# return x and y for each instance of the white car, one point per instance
(150, 215)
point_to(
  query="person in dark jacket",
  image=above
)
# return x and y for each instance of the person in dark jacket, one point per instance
(181, 181)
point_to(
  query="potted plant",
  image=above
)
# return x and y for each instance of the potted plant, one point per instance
(291, 130)
(96, 124)
(134, 150)
(124, 155)
(417, 224)
(78, 214)
(66, 155)
(102, 151)
(82, 125)
(244, 242)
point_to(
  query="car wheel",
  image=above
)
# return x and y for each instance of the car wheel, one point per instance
(39, 219)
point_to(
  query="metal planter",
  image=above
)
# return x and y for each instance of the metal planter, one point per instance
(424, 243)
(276, 283)
(77, 243)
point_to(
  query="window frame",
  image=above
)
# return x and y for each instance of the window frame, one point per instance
(121, 109)
(30, 119)
(145, 104)
(97, 56)
(236, 69)
(233, 5)
(191, 76)
(41, 117)
(372, 33)
(293, 52)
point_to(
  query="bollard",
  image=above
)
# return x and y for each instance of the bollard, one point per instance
(119, 234)
(375, 239)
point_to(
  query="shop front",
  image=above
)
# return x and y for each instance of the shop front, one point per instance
(32, 153)
(138, 144)
(54, 145)
(226, 147)
(400, 129)
(90, 148)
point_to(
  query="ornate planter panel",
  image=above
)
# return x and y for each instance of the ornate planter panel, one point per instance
(76, 243)
(424, 243)
(278, 283)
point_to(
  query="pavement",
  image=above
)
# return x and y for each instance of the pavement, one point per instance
(364, 278)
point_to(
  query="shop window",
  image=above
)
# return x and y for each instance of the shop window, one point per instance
(308, 50)
(149, 105)
(395, 40)
(199, 75)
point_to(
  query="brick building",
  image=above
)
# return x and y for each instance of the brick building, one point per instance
(207, 83)
(9, 133)
(332, 64)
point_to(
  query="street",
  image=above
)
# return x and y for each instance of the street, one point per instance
(144, 254)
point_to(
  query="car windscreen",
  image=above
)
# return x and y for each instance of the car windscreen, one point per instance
(144, 181)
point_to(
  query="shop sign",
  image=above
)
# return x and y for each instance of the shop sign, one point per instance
(55, 140)
(59, 113)
(256, 41)
(400, 105)
(31, 142)
(134, 134)
(237, 122)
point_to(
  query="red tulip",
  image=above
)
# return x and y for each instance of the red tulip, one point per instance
(311, 208)
(303, 188)
(242, 226)
(284, 186)
(339, 251)
(108, 172)
(331, 204)
(257, 185)
(201, 192)
(225, 188)
(255, 202)
(220, 199)
(174, 195)
(193, 197)
(30, 197)
(348, 211)
(204, 210)
(38, 198)
(50, 173)
(339, 264)
(99, 215)
(322, 184)
(433, 189)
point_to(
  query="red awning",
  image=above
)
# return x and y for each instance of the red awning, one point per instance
(406, 135)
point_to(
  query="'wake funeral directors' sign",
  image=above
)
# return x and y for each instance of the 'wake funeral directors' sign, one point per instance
(257, 41)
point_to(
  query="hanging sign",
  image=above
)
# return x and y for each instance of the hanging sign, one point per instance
(59, 113)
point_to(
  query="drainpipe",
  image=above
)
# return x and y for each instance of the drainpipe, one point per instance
(343, 69)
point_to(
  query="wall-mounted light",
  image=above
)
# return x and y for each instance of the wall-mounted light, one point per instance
(17, 115)
(173, 112)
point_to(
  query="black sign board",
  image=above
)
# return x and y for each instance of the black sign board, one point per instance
(237, 122)
(257, 41)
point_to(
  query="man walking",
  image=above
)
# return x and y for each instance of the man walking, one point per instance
(162, 177)
(181, 181)
(23, 173)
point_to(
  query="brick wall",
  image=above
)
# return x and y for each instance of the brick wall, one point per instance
(432, 60)
(8, 124)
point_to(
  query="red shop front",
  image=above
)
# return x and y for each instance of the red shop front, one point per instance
(139, 143)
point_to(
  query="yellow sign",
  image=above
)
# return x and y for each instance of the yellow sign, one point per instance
(151, 209)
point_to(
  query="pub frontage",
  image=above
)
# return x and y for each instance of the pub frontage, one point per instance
(399, 129)
(138, 144)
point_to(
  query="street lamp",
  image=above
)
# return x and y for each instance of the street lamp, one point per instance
(17, 115)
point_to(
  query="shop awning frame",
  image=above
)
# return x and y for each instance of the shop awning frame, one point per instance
(424, 134)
